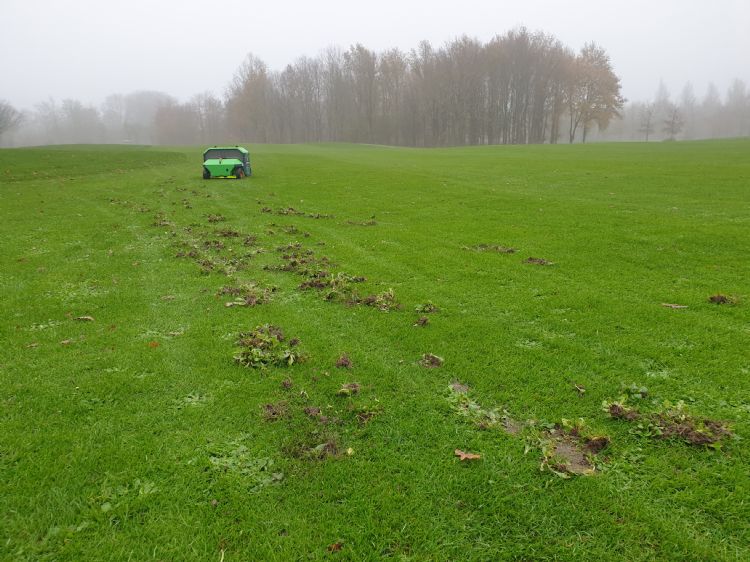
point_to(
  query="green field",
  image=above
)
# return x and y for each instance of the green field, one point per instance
(129, 432)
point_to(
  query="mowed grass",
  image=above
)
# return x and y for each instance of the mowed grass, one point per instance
(136, 436)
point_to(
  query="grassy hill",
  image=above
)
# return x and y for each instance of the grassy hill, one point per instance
(608, 424)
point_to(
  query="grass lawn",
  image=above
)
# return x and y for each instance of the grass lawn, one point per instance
(129, 431)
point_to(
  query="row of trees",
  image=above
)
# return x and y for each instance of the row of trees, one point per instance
(144, 117)
(521, 87)
(685, 117)
(518, 88)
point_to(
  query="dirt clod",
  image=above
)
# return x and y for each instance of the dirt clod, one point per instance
(431, 361)
(335, 547)
(273, 412)
(596, 444)
(343, 362)
(426, 308)
(493, 248)
(365, 416)
(618, 411)
(538, 261)
(348, 389)
(722, 299)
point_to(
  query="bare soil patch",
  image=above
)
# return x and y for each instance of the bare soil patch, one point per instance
(538, 261)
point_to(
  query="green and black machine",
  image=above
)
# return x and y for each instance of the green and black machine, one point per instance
(226, 162)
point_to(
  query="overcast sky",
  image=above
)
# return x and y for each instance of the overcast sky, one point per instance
(87, 49)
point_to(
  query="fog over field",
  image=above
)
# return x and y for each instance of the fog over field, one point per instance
(66, 70)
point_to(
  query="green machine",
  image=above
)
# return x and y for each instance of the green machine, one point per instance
(226, 162)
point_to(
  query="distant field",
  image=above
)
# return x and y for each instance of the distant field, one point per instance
(129, 431)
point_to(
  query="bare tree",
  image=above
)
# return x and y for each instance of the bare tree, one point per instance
(687, 108)
(673, 123)
(711, 108)
(391, 86)
(647, 120)
(176, 123)
(113, 117)
(10, 117)
(737, 109)
(140, 111)
(662, 101)
(81, 124)
(209, 117)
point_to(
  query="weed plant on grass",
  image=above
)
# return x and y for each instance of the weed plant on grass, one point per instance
(135, 434)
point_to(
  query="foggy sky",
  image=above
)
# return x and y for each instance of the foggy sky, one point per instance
(87, 49)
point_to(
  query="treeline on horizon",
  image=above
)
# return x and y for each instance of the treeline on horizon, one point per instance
(518, 88)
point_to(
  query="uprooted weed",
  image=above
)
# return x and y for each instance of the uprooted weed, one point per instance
(426, 308)
(247, 294)
(364, 414)
(538, 261)
(385, 301)
(431, 361)
(195, 244)
(316, 445)
(291, 211)
(160, 220)
(213, 245)
(322, 437)
(297, 259)
(349, 389)
(492, 248)
(291, 229)
(274, 412)
(228, 233)
(723, 299)
(344, 362)
(667, 420)
(265, 346)
(335, 287)
(193, 254)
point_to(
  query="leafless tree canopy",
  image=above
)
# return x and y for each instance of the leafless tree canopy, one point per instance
(10, 118)
(518, 88)
(513, 89)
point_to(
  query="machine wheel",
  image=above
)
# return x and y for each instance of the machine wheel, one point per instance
(249, 171)
(206, 174)
(239, 173)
